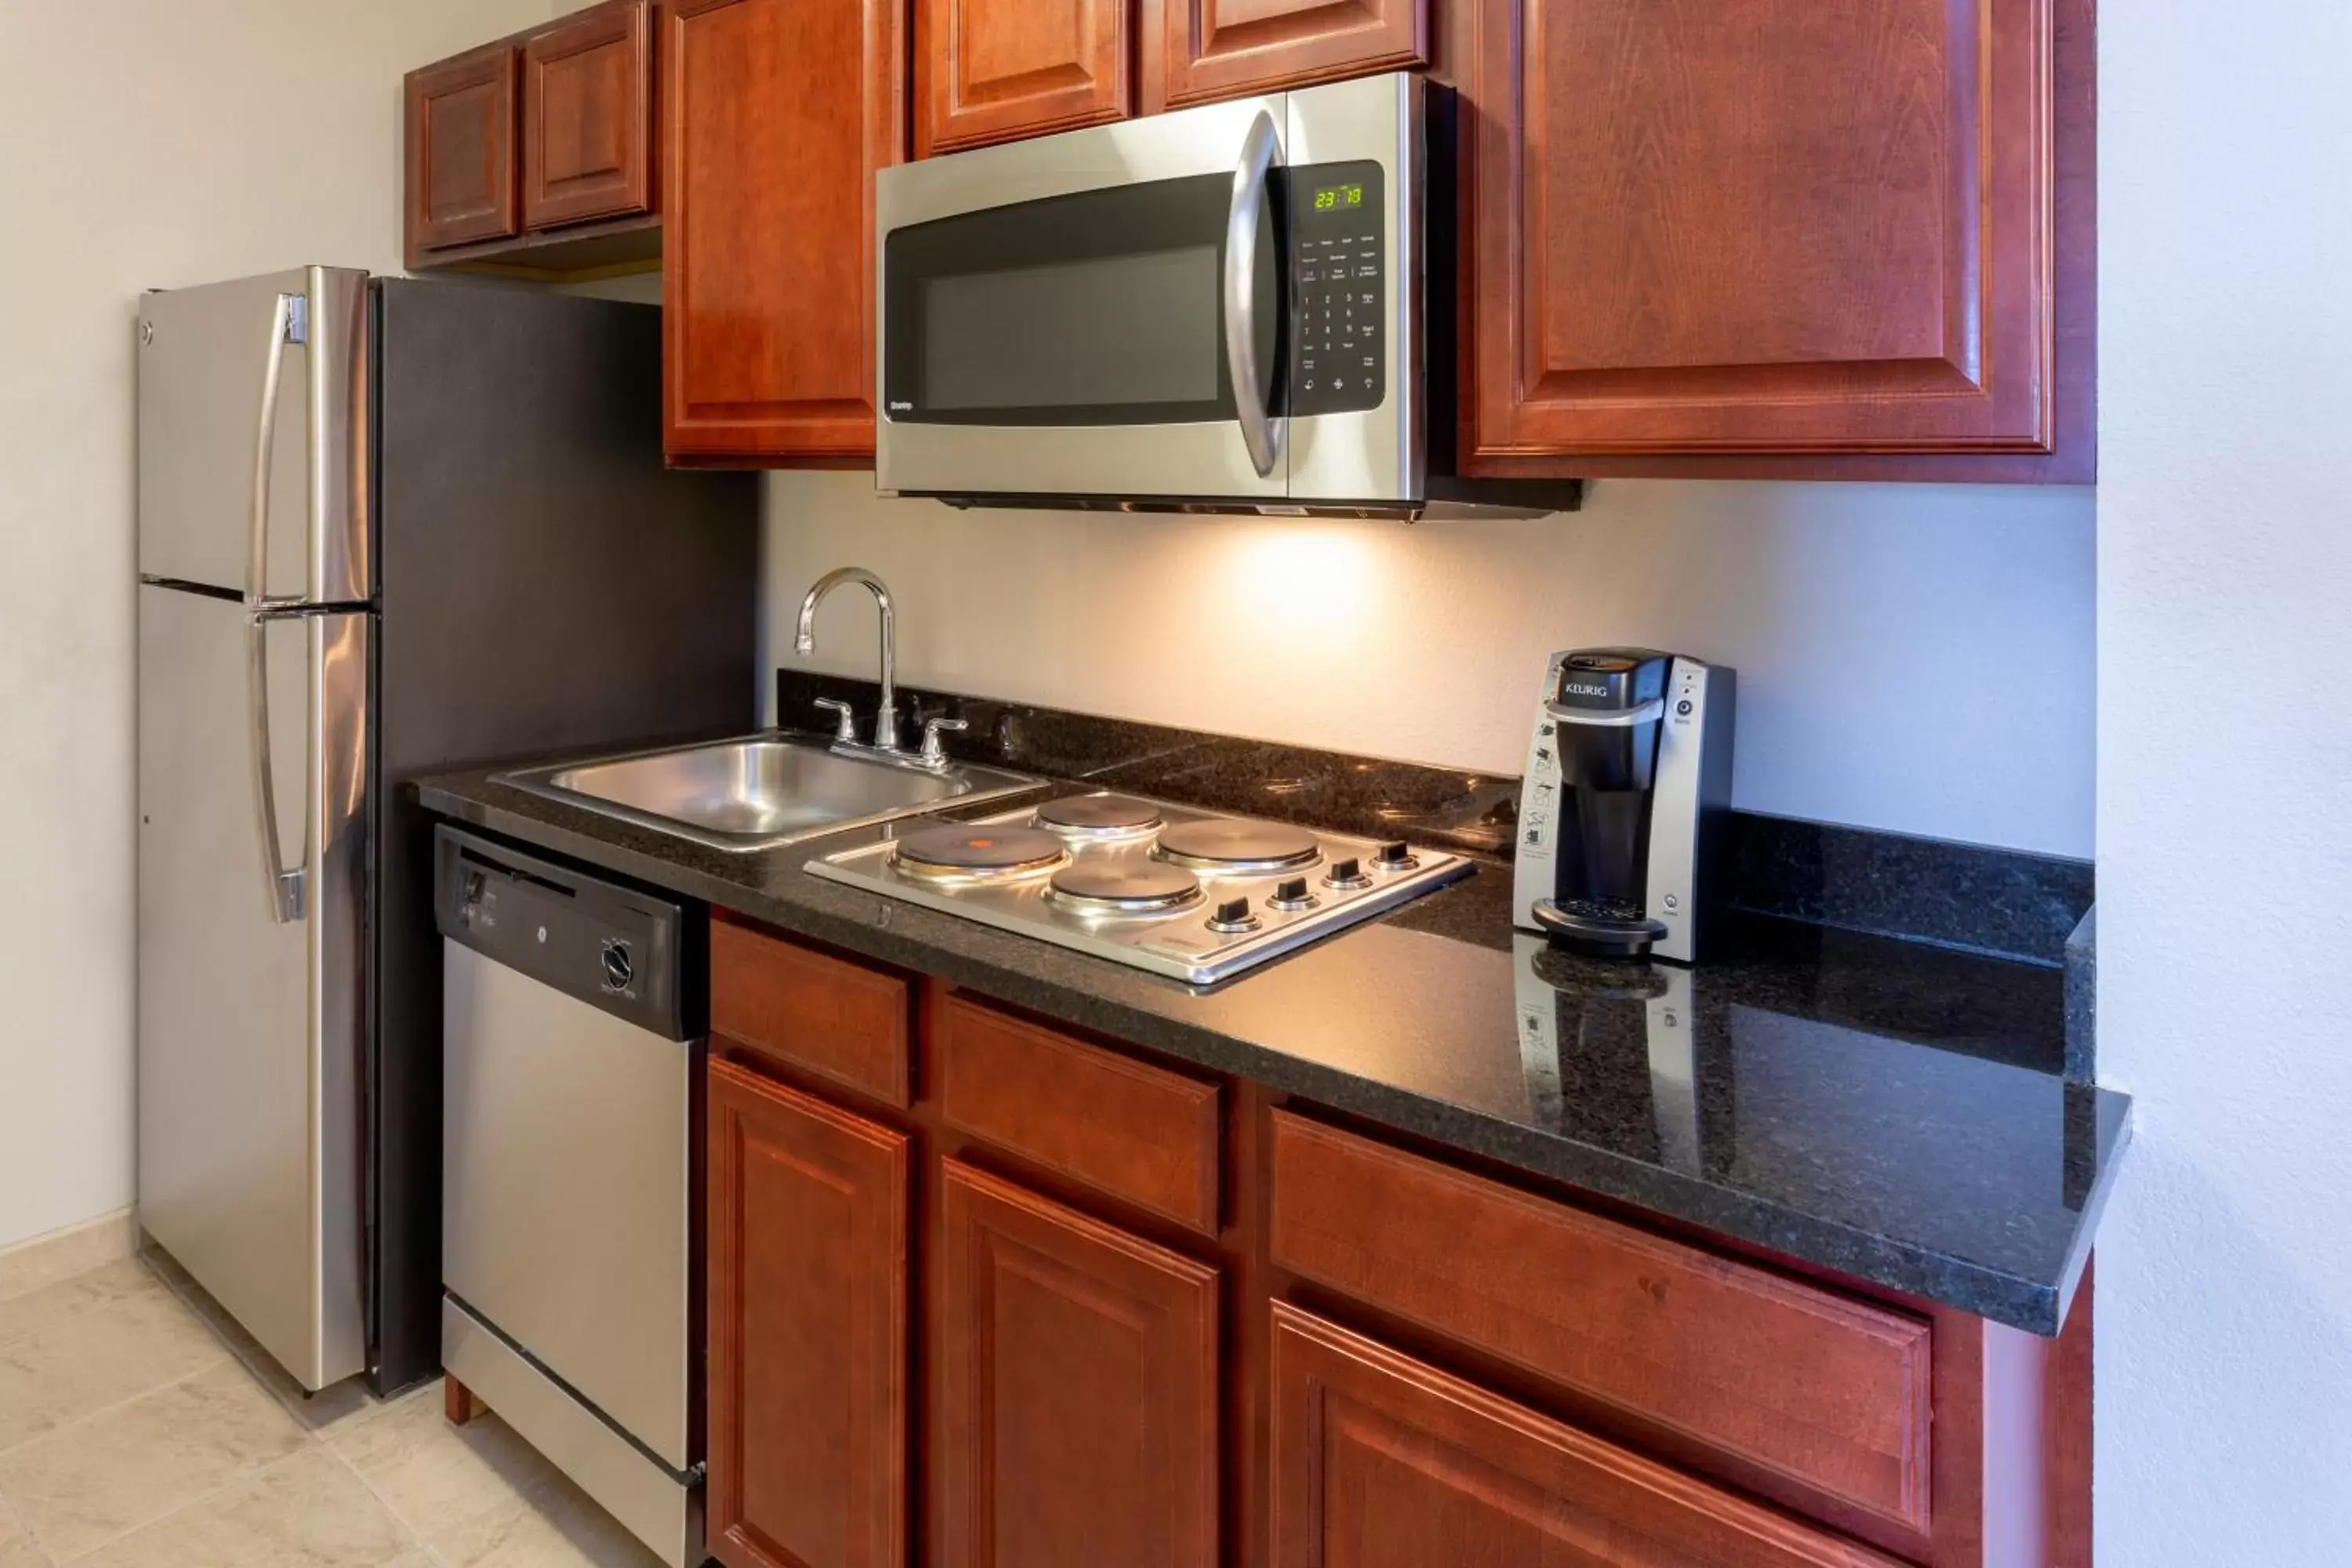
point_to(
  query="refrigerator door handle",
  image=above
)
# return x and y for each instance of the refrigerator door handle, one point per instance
(288, 323)
(282, 884)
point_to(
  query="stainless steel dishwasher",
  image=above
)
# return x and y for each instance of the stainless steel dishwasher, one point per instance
(571, 1023)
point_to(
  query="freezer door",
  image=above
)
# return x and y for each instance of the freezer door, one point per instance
(253, 432)
(252, 963)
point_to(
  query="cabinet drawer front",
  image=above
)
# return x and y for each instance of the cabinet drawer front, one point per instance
(1076, 1414)
(836, 1019)
(1135, 1131)
(1381, 1461)
(1830, 1391)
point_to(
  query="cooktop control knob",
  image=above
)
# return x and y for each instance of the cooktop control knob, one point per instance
(1394, 856)
(1347, 875)
(1233, 915)
(1292, 896)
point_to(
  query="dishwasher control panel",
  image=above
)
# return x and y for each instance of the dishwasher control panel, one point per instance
(635, 954)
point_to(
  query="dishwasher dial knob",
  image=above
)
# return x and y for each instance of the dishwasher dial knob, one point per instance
(1292, 896)
(1348, 876)
(1233, 916)
(620, 969)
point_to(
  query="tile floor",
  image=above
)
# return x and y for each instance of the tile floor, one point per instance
(141, 1428)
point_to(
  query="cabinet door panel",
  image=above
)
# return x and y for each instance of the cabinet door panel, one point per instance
(990, 70)
(1761, 225)
(1225, 48)
(1077, 1376)
(461, 165)
(808, 1353)
(1381, 1461)
(588, 101)
(778, 112)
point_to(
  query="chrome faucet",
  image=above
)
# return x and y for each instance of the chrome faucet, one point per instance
(885, 718)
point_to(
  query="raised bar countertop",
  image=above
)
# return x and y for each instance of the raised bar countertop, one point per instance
(1885, 1109)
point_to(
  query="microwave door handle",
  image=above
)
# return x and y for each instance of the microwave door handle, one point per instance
(1261, 432)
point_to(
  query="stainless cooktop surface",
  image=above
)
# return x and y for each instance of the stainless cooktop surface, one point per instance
(1179, 891)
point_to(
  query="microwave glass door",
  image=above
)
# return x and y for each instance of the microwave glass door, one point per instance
(1055, 313)
(1103, 307)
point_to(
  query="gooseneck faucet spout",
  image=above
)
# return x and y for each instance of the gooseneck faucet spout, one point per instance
(885, 718)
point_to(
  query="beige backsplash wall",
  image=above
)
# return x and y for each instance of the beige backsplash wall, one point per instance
(1912, 658)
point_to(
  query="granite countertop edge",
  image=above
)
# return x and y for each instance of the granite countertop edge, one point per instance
(959, 955)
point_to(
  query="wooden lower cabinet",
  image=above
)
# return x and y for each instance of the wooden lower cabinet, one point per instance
(808, 1341)
(1077, 1415)
(1381, 1461)
(1160, 1318)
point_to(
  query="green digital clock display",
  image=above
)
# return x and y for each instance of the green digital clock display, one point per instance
(1338, 199)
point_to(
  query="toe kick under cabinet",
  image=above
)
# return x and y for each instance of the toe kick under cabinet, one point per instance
(986, 1293)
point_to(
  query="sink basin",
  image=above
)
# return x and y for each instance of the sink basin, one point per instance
(763, 791)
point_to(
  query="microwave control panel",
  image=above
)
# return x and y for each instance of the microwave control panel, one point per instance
(1338, 287)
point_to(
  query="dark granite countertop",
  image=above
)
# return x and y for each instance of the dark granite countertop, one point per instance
(1884, 1109)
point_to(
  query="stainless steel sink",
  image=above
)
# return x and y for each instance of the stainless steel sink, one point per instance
(763, 791)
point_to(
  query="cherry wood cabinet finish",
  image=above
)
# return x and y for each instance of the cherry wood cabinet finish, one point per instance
(1134, 1130)
(587, 116)
(1076, 1407)
(461, 1405)
(1760, 227)
(776, 114)
(1382, 1461)
(1829, 1390)
(1196, 51)
(993, 70)
(461, 152)
(808, 1336)
(832, 1017)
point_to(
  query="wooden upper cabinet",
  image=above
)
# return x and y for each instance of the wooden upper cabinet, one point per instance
(1381, 1461)
(587, 119)
(1815, 227)
(777, 114)
(461, 152)
(1076, 1412)
(808, 1344)
(990, 70)
(1225, 48)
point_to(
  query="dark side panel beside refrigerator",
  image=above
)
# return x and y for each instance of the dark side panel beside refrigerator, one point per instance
(536, 583)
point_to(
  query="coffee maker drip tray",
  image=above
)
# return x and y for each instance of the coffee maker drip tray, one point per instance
(1610, 930)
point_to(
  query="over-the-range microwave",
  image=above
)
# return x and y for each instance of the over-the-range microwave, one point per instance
(1224, 309)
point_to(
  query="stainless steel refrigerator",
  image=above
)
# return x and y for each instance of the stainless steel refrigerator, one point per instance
(385, 527)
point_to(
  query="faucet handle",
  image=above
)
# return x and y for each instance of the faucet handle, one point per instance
(935, 754)
(845, 729)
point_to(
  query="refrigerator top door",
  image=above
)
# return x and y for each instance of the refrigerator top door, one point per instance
(252, 1007)
(253, 428)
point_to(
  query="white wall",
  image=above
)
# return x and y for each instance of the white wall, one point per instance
(1915, 657)
(142, 143)
(2224, 1297)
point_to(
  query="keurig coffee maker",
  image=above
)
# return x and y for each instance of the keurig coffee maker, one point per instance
(1629, 763)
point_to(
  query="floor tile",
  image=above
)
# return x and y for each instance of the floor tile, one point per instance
(338, 1403)
(65, 1254)
(436, 1477)
(98, 1358)
(87, 1484)
(52, 1306)
(308, 1511)
(561, 1527)
(16, 1547)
